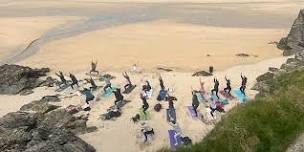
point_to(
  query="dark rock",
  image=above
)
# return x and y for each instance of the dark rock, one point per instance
(300, 56)
(265, 76)
(51, 98)
(38, 132)
(26, 92)
(60, 118)
(38, 106)
(294, 41)
(272, 69)
(242, 55)
(164, 69)
(15, 78)
(201, 73)
(49, 82)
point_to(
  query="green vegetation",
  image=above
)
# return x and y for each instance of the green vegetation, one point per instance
(266, 124)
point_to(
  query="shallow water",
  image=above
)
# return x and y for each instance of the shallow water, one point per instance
(101, 16)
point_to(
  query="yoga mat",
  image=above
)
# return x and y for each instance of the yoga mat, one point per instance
(243, 98)
(200, 98)
(172, 113)
(173, 142)
(192, 112)
(63, 87)
(143, 116)
(108, 93)
(227, 95)
(129, 89)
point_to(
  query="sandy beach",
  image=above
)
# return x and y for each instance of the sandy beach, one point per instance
(123, 130)
(66, 35)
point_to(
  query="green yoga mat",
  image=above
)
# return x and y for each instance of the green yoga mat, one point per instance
(144, 116)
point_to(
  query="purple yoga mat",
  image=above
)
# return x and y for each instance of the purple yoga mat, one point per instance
(173, 141)
(192, 112)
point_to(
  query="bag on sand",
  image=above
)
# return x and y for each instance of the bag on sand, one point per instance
(157, 107)
(186, 140)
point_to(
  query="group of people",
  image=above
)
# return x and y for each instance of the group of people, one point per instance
(214, 91)
(146, 92)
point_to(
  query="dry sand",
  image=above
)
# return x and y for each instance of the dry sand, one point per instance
(123, 132)
(184, 47)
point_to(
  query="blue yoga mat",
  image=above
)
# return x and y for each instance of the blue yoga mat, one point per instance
(173, 141)
(200, 98)
(243, 98)
(171, 113)
(108, 93)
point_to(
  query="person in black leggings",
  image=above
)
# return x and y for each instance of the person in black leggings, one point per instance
(61, 76)
(118, 96)
(93, 68)
(244, 83)
(215, 88)
(228, 87)
(129, 83)
(74, 80)
(195, 102)
(145, 105)
(161, 83)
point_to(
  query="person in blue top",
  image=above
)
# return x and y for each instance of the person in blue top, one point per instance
(88, 94)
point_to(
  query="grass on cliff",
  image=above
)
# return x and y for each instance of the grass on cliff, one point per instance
(266, 124)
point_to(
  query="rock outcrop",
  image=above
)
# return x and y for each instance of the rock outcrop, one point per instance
(15, 79)
(42, 127)
(294, 42)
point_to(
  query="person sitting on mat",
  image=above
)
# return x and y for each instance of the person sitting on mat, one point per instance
(62, 79)
(195, 102)
(88, 94)
(145, 105)
(108, 84)
(228, 87)
(215, 88)
(93, 68)
(244, 83)
(74, 80)
(129, 83)
(118, 96)
(146, 130)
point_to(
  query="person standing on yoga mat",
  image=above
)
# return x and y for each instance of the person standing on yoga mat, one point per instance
(195, 102)
(215, 88)
(74, 80)
(88, 94)
(61, 76)
(145, 105)
(129, 83)
(92, 82)
(244, 83)
(118, 96)
(228, 87)
(93, 68)
(108, 84)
